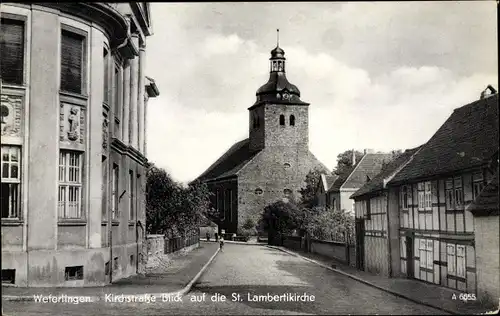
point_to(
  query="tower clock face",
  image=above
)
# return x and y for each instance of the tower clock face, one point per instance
(286, 96)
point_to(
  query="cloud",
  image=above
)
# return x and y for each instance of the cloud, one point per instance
(378, 75)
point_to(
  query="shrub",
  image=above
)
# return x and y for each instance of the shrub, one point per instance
(249, 224)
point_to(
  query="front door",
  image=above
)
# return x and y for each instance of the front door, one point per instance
(409, 257)
(360, 244)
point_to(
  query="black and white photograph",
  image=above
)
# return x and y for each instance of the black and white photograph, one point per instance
(249, 158)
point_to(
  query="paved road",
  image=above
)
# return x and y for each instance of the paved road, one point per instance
(251, 271)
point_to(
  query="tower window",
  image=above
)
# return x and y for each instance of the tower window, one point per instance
(282, 120)
(292, 120)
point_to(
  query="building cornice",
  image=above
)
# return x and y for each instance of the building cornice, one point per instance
(138, 11)
(120, 147)
(114, 24)
(437, 176)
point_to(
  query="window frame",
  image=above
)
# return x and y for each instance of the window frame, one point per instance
(24, 20)
(13, 212)
(85, 55)
(428, 196)
(292, 120)
(477, 184)
(426, 253)
(115, 184)
(66, 182)
(131, 195)
(404, 197)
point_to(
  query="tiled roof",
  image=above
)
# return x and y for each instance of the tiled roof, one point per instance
(486, 204)
(340, 180)
(467, 139)
(377, 183)
(230, 162)
(330, 179)
(327, 181)
(369, 166)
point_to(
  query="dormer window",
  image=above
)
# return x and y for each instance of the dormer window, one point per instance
(282, 120)
(292, 120)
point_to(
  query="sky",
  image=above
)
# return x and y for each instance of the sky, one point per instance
(377, 75)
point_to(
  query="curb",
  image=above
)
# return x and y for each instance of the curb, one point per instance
(367, 283)
(238, 242)
(134, 297)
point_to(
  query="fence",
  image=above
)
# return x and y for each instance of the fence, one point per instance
(339, 251)
(159, 244)
(178, 243)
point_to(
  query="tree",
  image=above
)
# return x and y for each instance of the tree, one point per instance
(171, 208)
(344, 162)
(280, 217)
(308, 193)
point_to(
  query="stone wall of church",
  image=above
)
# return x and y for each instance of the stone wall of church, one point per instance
(224, 198)
(276, 173)
(286, 135)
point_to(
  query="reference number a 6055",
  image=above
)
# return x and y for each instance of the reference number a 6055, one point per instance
(465, 297)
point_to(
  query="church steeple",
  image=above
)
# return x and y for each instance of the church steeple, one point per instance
(278, 89)
(277, 56)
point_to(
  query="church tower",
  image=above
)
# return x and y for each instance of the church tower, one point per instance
(278, 118)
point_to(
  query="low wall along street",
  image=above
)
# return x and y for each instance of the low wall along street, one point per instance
(330, 249)
(160, 245)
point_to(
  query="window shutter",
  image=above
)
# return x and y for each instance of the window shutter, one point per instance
(12, 51)
(71, 62)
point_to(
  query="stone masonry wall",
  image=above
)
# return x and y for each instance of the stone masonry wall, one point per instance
(268, 172)
(487, 254)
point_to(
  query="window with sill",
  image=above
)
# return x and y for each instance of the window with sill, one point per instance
(478, 184)
(114, 193)
(72, 62)
(454, 194)
(104, 188)
(11, 181)
(404, 197)
(70, 184)
(456, 260)
(12, 51)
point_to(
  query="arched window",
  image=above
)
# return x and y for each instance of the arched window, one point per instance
(292, 120)
(282, 120)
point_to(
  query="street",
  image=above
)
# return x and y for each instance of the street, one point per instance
(249, 271)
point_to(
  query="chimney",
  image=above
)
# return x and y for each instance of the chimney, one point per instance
(353, 157)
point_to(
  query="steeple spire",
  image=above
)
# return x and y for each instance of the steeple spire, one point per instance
(277, 37)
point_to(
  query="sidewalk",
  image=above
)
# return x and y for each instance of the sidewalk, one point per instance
(416, 291)
(182, 272)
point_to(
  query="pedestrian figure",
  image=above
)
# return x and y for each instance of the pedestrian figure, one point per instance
(221, 243)
(216, 237)
(208, 236)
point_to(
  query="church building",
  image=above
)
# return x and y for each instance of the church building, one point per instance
(273, 162)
